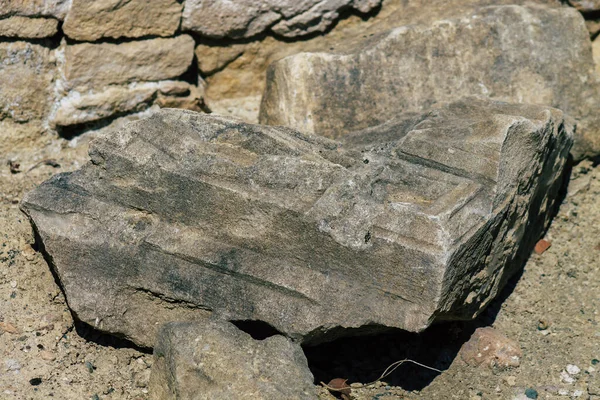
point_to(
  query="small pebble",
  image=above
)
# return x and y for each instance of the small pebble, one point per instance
(543, 325)
(573, 369)
(511, 380)
(13, 284)
(578, 393)
(531, 393)
(35, 381)
(541, 246)
(566, 378)
(47, 355)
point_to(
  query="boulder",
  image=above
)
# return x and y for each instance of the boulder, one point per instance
(248, 18)
(27, 73)
(91, 20)
(28, 28)
(526, 54)
(422, 218)
(90, 65)
(214, 360)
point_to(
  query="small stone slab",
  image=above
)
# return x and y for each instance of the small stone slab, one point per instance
(214, 360)
(184, 215)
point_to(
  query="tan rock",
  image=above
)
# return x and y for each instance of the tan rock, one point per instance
(491, 348)
(34, 8)
(29, 28)
(524, 54)
(214, 58)
(94, 19)
(30, 70)
(77, 108)
(98, 65)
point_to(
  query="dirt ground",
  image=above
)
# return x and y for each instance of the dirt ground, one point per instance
(44, 354)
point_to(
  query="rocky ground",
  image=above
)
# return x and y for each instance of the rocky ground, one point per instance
(551, 311)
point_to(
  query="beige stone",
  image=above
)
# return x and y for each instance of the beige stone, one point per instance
(244, 76)
(524, 54)
(213, 58)
(77, 108)
(585, 5)
(26, 81)
(28, 28)
(98, 65)
(34, 8)
(94, 19)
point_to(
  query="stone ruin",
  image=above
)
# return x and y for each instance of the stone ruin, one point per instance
(394, 193)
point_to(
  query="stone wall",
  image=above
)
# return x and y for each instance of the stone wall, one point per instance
(69, 64)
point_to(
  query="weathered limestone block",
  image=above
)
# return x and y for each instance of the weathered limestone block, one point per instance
(91, 66)
(27, 72)
(525, 54)
(419, 219)
(35, 8)
(214, 360)
(247, 18)
(91, 20)
(28, 28)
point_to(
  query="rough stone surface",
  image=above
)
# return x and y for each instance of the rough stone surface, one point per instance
(26, 76)
(491, 348)
(213, 58)
(143, 60)
(214, 360)
(93, 19)
(34, 8)
(585, 5)
(247, 18)
(77, 108)
(28, 28)
(529, 54)
(422, 218)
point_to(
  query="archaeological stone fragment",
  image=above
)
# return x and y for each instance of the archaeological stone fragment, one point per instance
(214, 360)
(247, 18)
(524, 54)
(185, 215)
(94, 19)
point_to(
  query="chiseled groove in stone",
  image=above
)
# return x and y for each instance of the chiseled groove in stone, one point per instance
(221, 270)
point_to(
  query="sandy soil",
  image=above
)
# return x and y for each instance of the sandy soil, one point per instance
(44, 354)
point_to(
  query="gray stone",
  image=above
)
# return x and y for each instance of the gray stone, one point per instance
(585, 5)
(214, 360)
(422, 218)
(35, 8)
(247, 18)
(524, 54)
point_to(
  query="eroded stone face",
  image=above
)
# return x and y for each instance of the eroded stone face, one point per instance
(247, 18)
(214, 360)
(27, 72)
(92, 19)
(35, 8)
(424, 217)
(143, 60)
(528, 54)
(29, 28)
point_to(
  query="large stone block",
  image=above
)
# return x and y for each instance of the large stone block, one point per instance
(214, 360)
(524, 54)
(419, 219)
(90, 65)
(92, 19)
(27, 73)
(247, 18)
